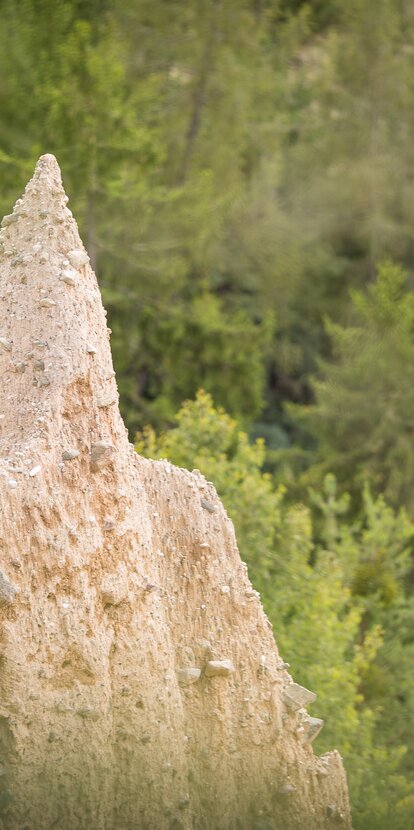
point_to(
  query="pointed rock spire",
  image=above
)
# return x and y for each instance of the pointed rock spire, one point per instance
(132, 687)
(53, 333)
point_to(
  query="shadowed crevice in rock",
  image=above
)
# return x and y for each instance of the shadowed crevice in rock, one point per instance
(140, 683)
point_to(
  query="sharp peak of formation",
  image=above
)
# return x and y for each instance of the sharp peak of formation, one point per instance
(140, 684)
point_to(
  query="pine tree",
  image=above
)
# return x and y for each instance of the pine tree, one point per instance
(362, 418)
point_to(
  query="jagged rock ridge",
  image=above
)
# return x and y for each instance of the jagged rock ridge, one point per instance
(140, 685)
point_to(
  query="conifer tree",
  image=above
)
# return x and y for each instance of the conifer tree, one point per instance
(362, 418)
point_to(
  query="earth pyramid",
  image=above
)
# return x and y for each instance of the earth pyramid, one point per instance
(140, 684)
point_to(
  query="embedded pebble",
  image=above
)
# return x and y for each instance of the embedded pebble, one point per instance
(68, 276)
(19, 367)
(312, 727)
(295, 696)
(187, 676)
(9, 220)
(219, 668)
(208, 505)
(69, 455)
(43, 381)
(7, 591)
(77, 257)
(101, 453)
(90, 349)
(21, 259)
(5, 344)
(46, 302)
(12, 483)
(35, 470)
(106, 400)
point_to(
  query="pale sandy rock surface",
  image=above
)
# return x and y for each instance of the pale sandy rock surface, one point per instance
(140, 684)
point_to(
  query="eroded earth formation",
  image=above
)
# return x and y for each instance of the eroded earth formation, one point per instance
(140, 684)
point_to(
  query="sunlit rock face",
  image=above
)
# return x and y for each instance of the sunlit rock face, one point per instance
(140, 684)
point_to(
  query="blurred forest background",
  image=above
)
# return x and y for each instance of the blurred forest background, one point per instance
(242, 172)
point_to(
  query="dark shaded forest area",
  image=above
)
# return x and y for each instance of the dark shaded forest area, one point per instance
(242, 174)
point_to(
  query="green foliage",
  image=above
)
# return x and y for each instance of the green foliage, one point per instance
(308, 563)
(228, 349)
(362, 417)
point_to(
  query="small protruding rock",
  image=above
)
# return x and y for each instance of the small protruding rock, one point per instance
(43, 381)
(208, 505)
(9, 219)
(7, 591)
(312, 728)
(35, 470)
(90, 349)
(46, 302)
(295, 696)
(188, 675)
(68, 275)
(5, 344)
(101, 454)
(69, 455)
(219, 668)
(106, 399)
(77, 258)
